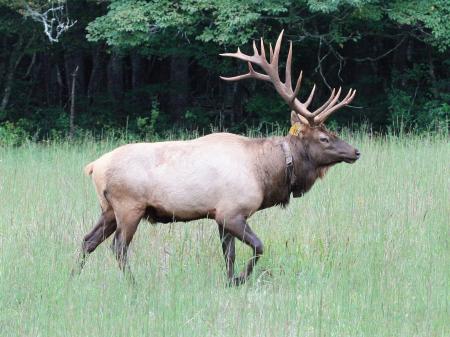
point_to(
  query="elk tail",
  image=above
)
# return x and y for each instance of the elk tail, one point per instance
(89, 168)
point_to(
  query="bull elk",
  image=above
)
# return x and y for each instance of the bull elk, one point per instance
(221, 176)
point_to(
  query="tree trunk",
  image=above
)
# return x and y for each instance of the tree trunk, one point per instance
(96, 73)
(34, 78)
(45, 87)
(59, 80)
(399, 63)
(75, 82)
(74, 60)
(137, 70)
(14, 61)
(72, 104)
(2, 64)
(237, 113)
(432, 72)
(179, 83)
(7, 90)
(376, 65)
(115, 76)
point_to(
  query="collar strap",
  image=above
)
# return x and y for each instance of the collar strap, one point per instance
(290, 174)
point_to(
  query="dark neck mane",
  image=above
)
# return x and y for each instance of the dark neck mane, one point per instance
(306, 170)
(272, 170)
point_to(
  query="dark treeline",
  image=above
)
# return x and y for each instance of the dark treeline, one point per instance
(153, 65)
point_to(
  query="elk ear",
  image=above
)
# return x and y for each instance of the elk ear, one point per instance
(295, 118)
(298, 125)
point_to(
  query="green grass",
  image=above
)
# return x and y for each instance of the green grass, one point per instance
(364, 253)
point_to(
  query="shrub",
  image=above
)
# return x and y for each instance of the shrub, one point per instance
(13, 134)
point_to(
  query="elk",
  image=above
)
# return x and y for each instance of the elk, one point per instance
(222, 176)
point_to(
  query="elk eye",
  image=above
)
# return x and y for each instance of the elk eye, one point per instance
(324, 139)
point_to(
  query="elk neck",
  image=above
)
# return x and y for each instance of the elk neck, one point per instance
(273, 171)
(306, 170)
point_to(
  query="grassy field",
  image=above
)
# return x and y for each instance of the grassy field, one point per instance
(364, 253)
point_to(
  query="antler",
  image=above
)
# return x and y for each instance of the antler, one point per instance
(285, 89)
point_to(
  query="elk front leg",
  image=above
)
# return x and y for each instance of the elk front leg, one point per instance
(228, 248)
(239, 228)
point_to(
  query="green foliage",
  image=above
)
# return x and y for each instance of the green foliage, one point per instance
(236, 22)
(267, 108)
(328, 6)
(400, 107)
(130, 23)
(147, 126)
(394, 53)
(196, 118)
(126, 24)
(13, 134)
(435, 115)
(413, 103)
(424, 15)
(411, 112)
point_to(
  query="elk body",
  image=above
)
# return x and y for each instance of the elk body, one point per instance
(221, 176)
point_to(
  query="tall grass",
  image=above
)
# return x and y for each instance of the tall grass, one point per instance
(364, 253)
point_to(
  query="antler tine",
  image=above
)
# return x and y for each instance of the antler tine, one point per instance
(276, 53)
(284, 89)
(303, 119)
(324, 105)
(297, 86)
(241, 56)
(288, 80)
(255, 50)
(263, 52)
(325, 114)
(332, 103)
(256, 58)
(271, 52)
(251, 74)
(310, 97)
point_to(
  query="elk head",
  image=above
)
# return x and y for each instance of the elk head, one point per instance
(324, 148)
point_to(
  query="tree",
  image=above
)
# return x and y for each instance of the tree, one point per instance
(147, 58)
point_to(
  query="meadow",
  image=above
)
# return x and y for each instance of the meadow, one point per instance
(364, 253)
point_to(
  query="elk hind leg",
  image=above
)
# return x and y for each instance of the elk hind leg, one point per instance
(228, 248)
(127, 223)
(105, 226)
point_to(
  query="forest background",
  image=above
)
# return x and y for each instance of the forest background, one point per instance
(151, 67)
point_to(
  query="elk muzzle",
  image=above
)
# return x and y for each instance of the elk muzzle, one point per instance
(351, 156)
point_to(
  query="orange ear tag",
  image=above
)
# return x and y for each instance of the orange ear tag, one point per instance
(295, 129)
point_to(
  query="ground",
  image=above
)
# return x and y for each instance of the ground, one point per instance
(364, 253)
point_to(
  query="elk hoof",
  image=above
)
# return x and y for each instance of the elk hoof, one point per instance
(236, 281)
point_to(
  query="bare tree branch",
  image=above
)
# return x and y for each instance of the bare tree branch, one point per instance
(53, 21)
(373, 59)
(319, 64)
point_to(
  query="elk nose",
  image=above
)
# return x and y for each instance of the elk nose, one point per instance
(357, 153)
